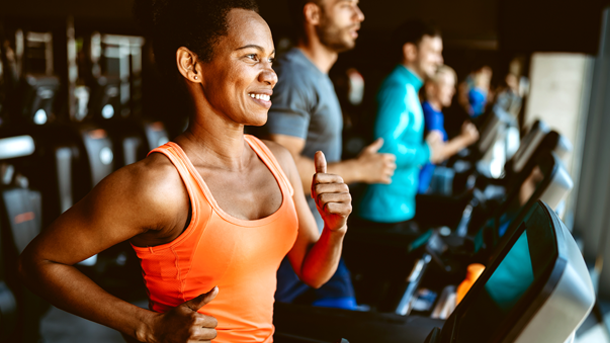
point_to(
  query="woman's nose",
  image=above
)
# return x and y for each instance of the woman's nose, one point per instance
(268, 76)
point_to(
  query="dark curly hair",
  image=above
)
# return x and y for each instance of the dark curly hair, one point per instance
(194, 24)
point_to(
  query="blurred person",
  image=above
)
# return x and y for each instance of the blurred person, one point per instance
(438, 93)
(210, 215)
(400, 123)
(306, 117)
(475, 91)
(509, 97)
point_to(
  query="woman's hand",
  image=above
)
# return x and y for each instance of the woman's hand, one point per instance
(331, 195)
(183, 324)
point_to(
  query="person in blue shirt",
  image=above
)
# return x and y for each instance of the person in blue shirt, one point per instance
(475, 91)
(438, 93)
(400, 123)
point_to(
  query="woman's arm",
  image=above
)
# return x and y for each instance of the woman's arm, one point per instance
(315, 257)
(130, 202)
(468, 136)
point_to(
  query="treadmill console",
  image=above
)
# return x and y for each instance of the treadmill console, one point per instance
(536, 290)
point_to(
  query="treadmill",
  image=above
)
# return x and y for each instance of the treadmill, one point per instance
(487, 192)
(116, 101)
(388, 269)
(537, 289)
(20, 223)
(442, 260)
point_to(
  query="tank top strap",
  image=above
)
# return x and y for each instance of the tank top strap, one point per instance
(177, 157)
(197, 197)
(267, 157)
(169, 150)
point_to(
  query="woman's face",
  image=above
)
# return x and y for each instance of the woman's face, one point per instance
(238, 82)
(441, 89)
(446, 89)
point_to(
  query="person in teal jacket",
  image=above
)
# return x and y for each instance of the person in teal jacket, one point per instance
(400, 122)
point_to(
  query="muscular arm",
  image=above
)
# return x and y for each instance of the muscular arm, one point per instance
(468, 136)
(369, 166)
(453, 147)
(348, 169)
(125, 204)
(294, 100)
(315, 257)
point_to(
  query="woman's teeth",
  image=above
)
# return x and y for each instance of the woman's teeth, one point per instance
(260, 96)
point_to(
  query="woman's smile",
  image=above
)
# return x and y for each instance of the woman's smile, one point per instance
(261, 99)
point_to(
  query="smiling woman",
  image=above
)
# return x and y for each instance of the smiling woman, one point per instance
(210, 215)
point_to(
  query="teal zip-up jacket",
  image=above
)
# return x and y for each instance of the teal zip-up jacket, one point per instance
(400, 122)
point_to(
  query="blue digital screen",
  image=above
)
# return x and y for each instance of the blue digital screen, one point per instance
(504, 292)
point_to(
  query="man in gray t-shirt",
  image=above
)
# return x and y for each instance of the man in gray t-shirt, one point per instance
(305, 106)
(305, 117)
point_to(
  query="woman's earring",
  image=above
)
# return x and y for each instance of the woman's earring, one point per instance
(195, 77)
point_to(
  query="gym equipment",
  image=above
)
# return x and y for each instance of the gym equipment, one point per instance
(487, 192)
(20, 222)
(549, 296)
(390, 267)
(115, 80)
(537, 289)
(444, 260)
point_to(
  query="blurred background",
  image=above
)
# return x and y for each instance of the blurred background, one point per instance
(80, 98)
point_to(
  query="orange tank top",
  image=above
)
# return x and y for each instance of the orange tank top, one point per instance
(241, 257)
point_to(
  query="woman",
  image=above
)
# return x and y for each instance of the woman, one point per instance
(438, 93)
(213, 208)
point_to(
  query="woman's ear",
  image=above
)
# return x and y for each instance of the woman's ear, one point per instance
(187, 65)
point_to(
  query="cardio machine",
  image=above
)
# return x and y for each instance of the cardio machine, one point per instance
(442, 260)
(113, 73)
(20, 222)
(389, 269)
(537, 289)
(70, 158)
(489, 192)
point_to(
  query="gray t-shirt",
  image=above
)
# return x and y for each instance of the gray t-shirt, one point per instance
(305, 105)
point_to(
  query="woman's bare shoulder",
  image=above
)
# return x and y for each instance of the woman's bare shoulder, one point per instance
(279, 152)
(285, 159)
(151, 185)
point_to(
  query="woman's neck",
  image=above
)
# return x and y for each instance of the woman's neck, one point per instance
(215, 141)
(435, 104)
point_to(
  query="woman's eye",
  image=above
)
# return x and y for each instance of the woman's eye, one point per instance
(253, 57)
(271, 59)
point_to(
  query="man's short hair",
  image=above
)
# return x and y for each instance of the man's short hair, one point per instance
(295, 8)
(412, 31)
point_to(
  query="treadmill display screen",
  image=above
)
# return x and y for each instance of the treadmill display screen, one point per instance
(496, 305)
